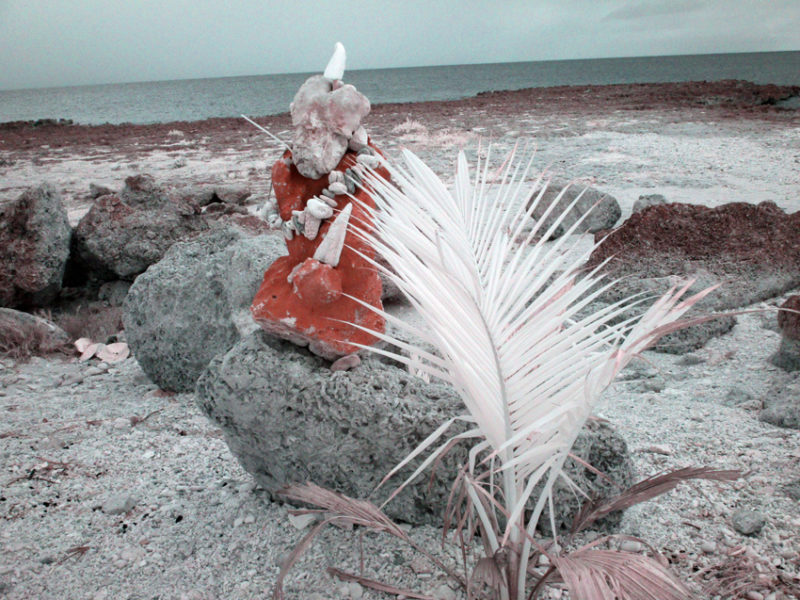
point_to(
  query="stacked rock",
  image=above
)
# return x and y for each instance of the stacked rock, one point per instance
(316, 296)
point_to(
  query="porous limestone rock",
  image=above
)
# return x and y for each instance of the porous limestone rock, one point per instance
(605, 210)
(788, 355)
(324, 119)
(289, 418)
(781, 404)
(193, 304)
(34, 247)
(115, 240)
(752, 250)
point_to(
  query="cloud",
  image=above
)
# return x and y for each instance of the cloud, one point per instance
(654, 8)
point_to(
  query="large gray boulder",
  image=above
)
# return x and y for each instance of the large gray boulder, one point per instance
(603, 216)
(194, 303)
(288, 418)
(34, 247)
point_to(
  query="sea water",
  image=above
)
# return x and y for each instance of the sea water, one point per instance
(193, 99)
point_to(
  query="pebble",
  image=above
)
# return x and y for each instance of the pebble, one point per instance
(369, 161)
(346, 362)
(443, 592)
(708, 547)
(355, 590)
(659, 449)
(350, 183)
(631, 546)
(338, 188)
(753, 595)
(122, 423)
(118, 504)
(688, 360)
(748, 522)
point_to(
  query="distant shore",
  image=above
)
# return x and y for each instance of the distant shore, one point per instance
(730, 97)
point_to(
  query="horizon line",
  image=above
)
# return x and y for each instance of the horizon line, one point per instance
(139, 81)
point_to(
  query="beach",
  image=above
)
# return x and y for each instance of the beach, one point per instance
(706, 143)
(113, 488)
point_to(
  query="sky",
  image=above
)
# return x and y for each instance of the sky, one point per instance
(51, 43)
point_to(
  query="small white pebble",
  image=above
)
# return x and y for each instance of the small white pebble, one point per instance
(708, 547)
(355, 590)
(630, 546)
(338, 188)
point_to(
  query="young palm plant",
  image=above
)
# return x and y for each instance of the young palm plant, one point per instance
(506, 310)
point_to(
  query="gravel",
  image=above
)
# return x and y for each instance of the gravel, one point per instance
(112, 488)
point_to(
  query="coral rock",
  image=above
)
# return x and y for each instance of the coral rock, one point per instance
(788, 355)
(34, 247)
(324, 120)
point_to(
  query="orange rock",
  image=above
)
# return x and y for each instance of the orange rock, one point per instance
(309, 302)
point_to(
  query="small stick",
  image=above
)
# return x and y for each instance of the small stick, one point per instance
(269, 133)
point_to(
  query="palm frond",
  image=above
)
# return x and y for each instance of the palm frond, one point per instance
(615, 575)
(504, 315)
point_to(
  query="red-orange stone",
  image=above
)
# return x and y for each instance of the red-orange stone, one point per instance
(316, 282)
(314, 308)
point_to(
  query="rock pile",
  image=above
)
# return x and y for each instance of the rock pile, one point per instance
(321, 293)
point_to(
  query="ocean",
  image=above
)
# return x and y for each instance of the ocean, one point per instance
(194, 99)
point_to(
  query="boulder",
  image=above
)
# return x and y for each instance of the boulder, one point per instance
(788, 355)
(23, 334)
(781, 404)
(117, 240)
(142, 192)
(288, 418)
(753, 250)
(34, 247)
(194, 303)
(648, 200)
(603, 216)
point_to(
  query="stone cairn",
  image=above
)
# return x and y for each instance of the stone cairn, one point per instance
(313, 297)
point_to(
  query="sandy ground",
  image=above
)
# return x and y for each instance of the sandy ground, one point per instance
(98, 503)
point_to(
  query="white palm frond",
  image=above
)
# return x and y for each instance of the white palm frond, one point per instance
(502, 306)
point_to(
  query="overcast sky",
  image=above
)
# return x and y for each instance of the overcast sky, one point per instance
(73, 42)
